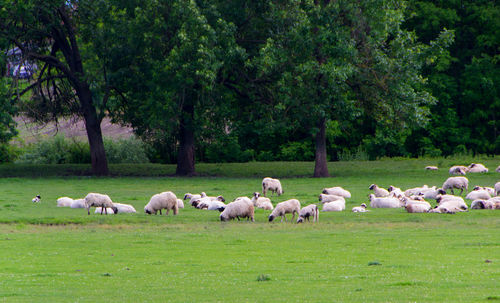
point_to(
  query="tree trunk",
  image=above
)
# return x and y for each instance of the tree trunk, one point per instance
(320, 163)
(185, 156)
(94, 134)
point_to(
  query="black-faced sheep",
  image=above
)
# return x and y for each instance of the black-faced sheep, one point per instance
(378, 191)
(99, 200)
(337, 191)
(273, 185)
(36, 199)
(431, 168)
(286, 207)
(458, 170)
(310, 210)
(360, 209)
(262, 202)
(477, 168)
(165, 200)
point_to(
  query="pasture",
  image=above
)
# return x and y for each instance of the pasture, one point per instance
(51, 254)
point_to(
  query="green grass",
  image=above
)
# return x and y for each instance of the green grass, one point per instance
(50, 254)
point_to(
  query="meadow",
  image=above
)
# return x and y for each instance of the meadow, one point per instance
(50, 254)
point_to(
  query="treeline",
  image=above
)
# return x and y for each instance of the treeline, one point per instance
(236, 81)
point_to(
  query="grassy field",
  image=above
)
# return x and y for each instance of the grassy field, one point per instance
(50, 254)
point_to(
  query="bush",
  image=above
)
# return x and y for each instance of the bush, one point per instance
(297, 151)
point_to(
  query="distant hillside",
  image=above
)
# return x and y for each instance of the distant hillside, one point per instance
(71, 128)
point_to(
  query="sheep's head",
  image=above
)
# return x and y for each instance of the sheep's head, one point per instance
(187, 196)
(221, 198)
(477, 187)
(363, 205)
(324, 191)
(441, 191)
(115, 209)
(195, 203)
(203, 195)
(256, 195)
(221, 209)
(147, 211)
(372, 186)
(371, 197)
(271, 218)
(300, 220)
(223, 218)
(391, 188)
(320, 198)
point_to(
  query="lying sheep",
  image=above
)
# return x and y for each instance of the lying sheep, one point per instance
(124, 208)
(165, 200)
(193, 197)
(432, 193)
(384, 202)
(416, 190)
(482, 204)
(207, 201)
(477, 168)
(274, 185)
(64, 202)
(310, 210)
(78, 203)
(418, 207)
(99, 200)
(324, 198)
(261, 202)
(490, 190)
(212, 205)
(431, 168)
(378, 191)
(478, 194)
(416, 200)
(360, 209)
(180, 203)
(286, 207)
(497, 189)
(498, 169)
(337, 191)
(338, 205)
(441, 210)
(458, 170)
(238, 208)
(452, 203)
(456, 182)
(36, 199)
(395, 191)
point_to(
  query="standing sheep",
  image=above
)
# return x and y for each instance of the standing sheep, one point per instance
(165, 200)
(337, 191)
(286, 207)
(99, 200)
(456, 182)
(310, 210)
(274, 185)
(238, 208)
(378, 191)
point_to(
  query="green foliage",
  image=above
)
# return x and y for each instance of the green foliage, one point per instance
(297, 151)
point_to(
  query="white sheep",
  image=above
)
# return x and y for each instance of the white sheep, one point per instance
(193, 197)
(286, 207)
(261, 202)
(274, 185)
(99, 200)
(490, 190)
(240, 207)
(497, 188)
(442, 210)
(207, 201)
(180, 203)
(324, 198)
(478, 194)
(395, 191)
(452, 203)
(165, 200)
(360, 209)
(99, 210)
(431, 168)
(415, 190)
(337, 191)
(310, 210)
(482, 204)
(418, 207)
(384, 202)
(498, 169)
(78, 203)
(458, 170)
(432, 193)
(124, 208)
(414, 200)
(456, 182)
(212, 205)
(338, 205)
(477, 168)
(36, 199)
(378, 191)
(64, 202)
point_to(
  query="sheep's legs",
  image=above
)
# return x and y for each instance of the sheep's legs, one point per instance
(160, 212)
(101, 210)
(452, 192)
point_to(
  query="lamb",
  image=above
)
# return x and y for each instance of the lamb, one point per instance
(165, 200)
(289, 206)
(360, 209)
(310, 210)
(338, 191)
(36, 199)
(384, 202)
(378, 191)
(78, 203)
(323, 198)
(478, 194)
(456, 182)
(338, 205)
(124, 208)
(64, 202)
(262, 202)
(240, 207)
(477, 168)
(418, 207)
(274, 185)
(458, 170)
(482, 204)
(431, 168)
(96, 200)
(180, 203)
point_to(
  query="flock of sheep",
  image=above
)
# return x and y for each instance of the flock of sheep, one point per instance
(332, 199)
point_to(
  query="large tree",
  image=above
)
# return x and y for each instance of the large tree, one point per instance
(47, 33)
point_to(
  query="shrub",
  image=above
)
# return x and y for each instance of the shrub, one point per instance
(297, 151)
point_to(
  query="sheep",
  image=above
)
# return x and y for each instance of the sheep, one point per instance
(431, 168)
(442, 210)
(240, 207)
(478, 194)
(289, 206)
(338, 191)
(490, 190)
(418, 207)
(378, 191)
(165, 200)
(323, 198)
(497, 189)
(360, 209)
(207, 201)
(310, 210)
(212, 205)
(78, 203)
(180, 203)
(99, 210)
(409, 200)
(64, 202)
(477, 168)
(415, 190)
(452, 203)
(482, 204)
(36, 199)
(395, 191)
(456, 182)
(274, 185)
(193, 197)
(498, 169)
(384, 202)
(96, 200)
(261, 202)
(458, 170)
(338, 205)
(124, 208)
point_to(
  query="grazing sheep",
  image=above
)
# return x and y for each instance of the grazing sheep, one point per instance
(338, 205)
(384, 202)
(310, 210)
(360, 209)
(337, 191)
(378, 191)
(477, 168)
(78, 203)
(64, 202)
(497, 189)
(323, 198)
(261, 202)
(418, 207)
(289, 206)
(240, 207)
(456, 182)
(99, 200)
(458, 170)
(124, 208)
(431, 168)
(36, 199)
(478, 194)
(490, 190)
(165, 200)
(482, 204)
(180, 203)
(274, 185)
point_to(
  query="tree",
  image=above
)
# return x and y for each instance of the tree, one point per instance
(47, 33)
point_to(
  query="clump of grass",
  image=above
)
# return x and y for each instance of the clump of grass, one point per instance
(493, 298)
(263, 277)
(374, 263)
(106, 274)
